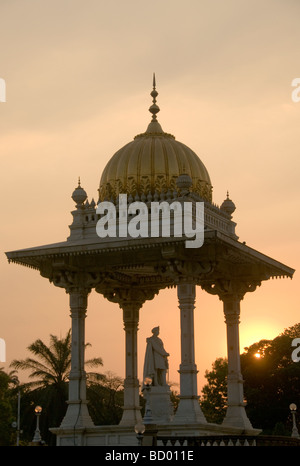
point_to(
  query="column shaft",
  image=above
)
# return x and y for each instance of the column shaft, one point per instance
(189, 408)
(131, 408)
(236, 415)
(77, 414)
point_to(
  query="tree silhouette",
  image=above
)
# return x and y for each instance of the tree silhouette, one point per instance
(214, 394)
(48, 385)
(6, 407)
(271, 384)
(272, 381)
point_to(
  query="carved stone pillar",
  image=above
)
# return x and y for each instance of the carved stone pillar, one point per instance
(235, 415)
(231, 292)
(189, 410)
(130, 301)
(77, 415)
(131, 408)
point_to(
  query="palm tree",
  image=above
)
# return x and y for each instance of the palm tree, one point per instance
(48, 385)
(7, 381)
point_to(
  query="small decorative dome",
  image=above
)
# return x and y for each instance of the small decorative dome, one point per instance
(152, 163)
(228, 206)
(79, 195)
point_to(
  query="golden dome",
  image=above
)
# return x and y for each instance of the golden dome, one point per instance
(151, 163)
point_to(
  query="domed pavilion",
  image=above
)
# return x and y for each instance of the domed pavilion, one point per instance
(152, 163)
(128, 271)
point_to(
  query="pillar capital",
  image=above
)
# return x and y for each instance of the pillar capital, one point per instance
(78, 298)
(128, 298)
(230, 290)
(231, 308)
(186, 293)
(73, 279)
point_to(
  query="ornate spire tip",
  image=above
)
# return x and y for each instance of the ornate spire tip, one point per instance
(154, 82)
(154, 109)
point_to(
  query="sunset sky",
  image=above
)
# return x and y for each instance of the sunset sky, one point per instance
(78, 80)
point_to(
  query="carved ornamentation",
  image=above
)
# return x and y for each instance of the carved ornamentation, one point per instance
(227, 288)
(71, 280)
(141, 186)
(145, 185)
(185, 270)
(128, 296)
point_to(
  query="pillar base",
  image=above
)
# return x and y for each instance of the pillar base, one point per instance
(236, 417)
(189, 411)
(131, 416)
(131, 409)
(77, 416)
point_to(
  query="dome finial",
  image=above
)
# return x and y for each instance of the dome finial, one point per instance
(228, 206)
(154, 109)
(79, 195)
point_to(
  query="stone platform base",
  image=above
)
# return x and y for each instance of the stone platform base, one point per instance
(126, 436)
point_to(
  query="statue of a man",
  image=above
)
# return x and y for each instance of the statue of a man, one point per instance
(156, 359)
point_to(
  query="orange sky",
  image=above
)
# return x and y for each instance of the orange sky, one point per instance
(78, 77)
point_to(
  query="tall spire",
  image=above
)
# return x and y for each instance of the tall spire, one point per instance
(154, 109)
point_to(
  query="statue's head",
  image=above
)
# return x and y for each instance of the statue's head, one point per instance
(155, 331)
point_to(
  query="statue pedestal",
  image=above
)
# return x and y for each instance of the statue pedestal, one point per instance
(159, 402)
